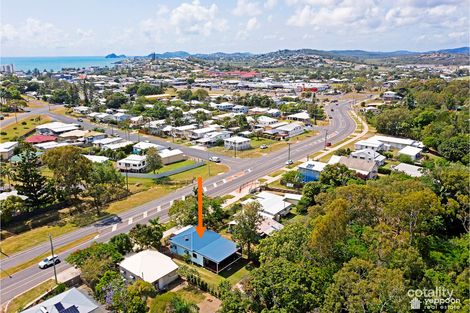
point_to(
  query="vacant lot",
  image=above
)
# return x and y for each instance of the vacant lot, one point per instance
(14, 131)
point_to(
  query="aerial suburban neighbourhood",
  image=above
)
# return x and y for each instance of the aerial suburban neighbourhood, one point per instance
(284, 179)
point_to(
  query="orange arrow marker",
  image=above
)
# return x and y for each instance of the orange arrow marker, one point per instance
(200, 225)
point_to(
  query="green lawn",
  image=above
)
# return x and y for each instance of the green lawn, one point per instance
(188, 293)
(13, 131)
(202, 171)
(33, 237)
(176, 165)
(276, 173)
(140, 198)
(19, 302)
(234, 274)
(277, 184)
(38, 258)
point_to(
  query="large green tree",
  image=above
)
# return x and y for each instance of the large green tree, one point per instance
(153, 160)
(30, 182)
(103, 184)
(245, 231)
(148, 236)
(70, 170)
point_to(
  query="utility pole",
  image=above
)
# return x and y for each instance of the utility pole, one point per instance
(314, 110)
(52, 252)
(288, 151)
(326, 136)
(208, 163)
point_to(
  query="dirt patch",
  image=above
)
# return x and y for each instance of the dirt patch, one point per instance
(210, 304)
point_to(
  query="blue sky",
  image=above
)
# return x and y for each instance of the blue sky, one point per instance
(138, 27)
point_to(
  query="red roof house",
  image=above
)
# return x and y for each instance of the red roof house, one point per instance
(40, 138)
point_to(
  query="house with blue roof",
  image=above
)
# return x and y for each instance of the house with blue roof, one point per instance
(211, 251)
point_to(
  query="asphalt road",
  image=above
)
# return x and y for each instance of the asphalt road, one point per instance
(242, 173)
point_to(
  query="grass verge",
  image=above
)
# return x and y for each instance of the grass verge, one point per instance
(19, 302)
(33, 237)
(22, 266)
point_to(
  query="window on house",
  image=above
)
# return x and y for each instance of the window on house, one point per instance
(194, 255)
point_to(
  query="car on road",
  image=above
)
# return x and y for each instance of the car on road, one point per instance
(80, 119)
(49, 261)
(214, 159)
(289, 162)
(332, 110)
(263, 147)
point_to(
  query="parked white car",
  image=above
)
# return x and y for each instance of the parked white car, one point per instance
(49, 261)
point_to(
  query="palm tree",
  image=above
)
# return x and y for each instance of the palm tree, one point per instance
(6, 171)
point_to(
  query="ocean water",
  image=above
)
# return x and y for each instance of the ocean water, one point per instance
(56, 63)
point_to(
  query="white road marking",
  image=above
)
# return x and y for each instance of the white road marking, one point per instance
(214, 184)
(183, 198)
(97, 236)
(130, 221)
(114, 227)
(145, 214)
(159, 208)
(224, 181)
(204, 188)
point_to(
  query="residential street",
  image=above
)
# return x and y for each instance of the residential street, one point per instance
(242, 171)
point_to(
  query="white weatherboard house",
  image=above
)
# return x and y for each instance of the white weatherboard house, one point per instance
(290, 130)
(301, 117)
(395, 142)
(237, 143)
(143, 145)
(171, 156)
(240, 109)
(132, 163)
(7, 149)
(369, 155)
(150, 266)
(55, 128)
(272, 205)
(413, 152)
(107, 141)
(370, 145)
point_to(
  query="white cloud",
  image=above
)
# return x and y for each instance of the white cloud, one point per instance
(247, 8)
(185, 20)
(365, 16)
(269, 4)
(196, 19)
(43, 34)
(251, 25)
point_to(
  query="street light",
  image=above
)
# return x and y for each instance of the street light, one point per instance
(288, 151)
(208, 163)
(127, 176)
(52, 253)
